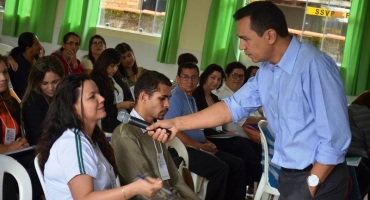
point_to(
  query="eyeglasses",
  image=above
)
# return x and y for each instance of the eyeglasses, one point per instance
(94, 44)
(236, 75)
(186, 78)
(72, 44)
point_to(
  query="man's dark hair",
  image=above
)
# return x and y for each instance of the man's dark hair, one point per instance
(186, 57)
(149, 82)
(264, 15)
(187, 65)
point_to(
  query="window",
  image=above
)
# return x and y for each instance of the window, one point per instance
(321, 23)
(144, 16)
(2, 5)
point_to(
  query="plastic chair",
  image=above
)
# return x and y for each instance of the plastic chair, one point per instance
(14, 168)
(264, 185)
(200, 183)
(5, 49)
(39, 172)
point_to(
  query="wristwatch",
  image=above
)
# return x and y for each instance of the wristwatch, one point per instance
(313, 180)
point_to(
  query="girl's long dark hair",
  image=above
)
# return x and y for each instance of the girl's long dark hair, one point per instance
(107, 57)
(61, 116)
(123, 48)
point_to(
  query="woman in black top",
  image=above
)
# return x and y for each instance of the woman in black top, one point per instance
(117, 95)
(28, 51)
(44, 77)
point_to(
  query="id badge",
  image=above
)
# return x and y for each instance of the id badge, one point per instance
(119, 97)
(162, 166)
(9, 135)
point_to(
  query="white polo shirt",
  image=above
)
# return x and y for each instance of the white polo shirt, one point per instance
(72, 154)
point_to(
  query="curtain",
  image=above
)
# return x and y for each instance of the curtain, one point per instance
(175, 12)
(221, 41)
(80, 16)
(355, 68)
(36, 16)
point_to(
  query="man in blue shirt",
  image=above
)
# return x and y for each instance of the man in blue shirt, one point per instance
(225, 172)
(302, 94)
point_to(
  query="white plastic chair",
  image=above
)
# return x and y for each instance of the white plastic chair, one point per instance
(11, 166)
(39, 172)
(5, 49)
(200, 183)
(264, 185)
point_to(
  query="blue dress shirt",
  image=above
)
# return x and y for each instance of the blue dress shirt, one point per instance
(180, 105)
(305, 104)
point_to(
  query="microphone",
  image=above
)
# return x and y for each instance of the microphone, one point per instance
(124, 117)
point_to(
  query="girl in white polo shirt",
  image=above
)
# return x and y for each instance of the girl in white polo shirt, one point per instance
(77, 160)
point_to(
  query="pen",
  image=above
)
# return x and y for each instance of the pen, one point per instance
(163, 189)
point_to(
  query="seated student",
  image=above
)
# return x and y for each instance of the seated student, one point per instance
(11, 139)
(117, 96)
(225, 172)
(74, 155)
(43, 80)
(183, 58)
(28, 51)
(68, 52)
(128, 66)
(96, 47)
(211, 79)
(137, 152)
(359, 120)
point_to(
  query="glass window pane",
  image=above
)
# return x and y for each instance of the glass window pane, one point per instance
(134, 15)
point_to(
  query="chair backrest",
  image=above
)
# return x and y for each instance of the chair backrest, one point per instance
(180, 148)
(267, 141)
(39, 172)
(5, 49)
(14, 168)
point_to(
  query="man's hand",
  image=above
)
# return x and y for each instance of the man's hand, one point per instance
(312, 190)
(210, 147)
(158, 130)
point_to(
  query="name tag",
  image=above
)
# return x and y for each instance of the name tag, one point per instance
(9, 135)
(119, 97)
(162, 166)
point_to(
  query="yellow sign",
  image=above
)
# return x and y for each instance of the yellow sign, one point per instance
(326, 13)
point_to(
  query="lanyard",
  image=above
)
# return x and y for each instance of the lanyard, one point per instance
(7, 117)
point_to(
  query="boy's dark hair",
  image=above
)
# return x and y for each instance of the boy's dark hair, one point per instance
(149, 82)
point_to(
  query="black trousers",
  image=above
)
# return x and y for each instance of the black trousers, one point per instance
(241, 148)
(224, 172)
(293, 185)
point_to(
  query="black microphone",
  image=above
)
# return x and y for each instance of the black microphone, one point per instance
(124, 117)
